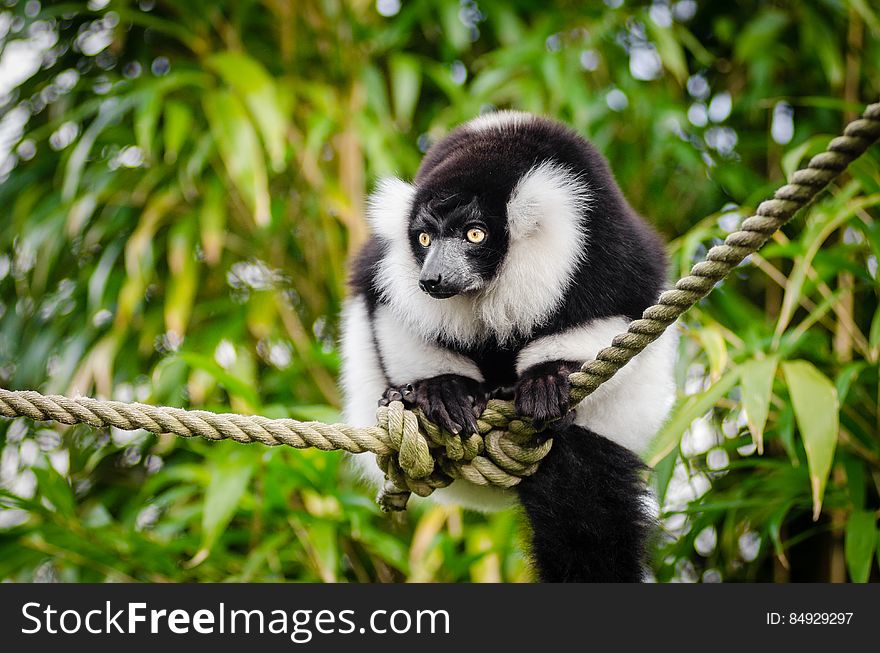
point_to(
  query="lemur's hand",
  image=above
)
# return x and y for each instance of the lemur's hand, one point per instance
(451, 401)
(542, 391)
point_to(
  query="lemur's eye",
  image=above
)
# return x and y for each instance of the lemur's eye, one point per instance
(476, 235)
(424, 239)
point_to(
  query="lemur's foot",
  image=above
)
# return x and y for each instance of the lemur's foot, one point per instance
(542, 392)
(452, 402)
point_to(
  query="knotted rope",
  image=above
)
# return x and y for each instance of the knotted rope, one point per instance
(415, 454)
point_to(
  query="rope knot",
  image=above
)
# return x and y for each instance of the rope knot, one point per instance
(424, 457)
(413, 453)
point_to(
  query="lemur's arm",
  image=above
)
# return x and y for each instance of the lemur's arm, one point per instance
(543, 367)
(445, 385)
(628, 409)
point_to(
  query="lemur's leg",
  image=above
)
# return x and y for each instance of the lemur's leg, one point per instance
(588, 502)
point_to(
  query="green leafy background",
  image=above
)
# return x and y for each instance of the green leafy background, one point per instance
(181, 184)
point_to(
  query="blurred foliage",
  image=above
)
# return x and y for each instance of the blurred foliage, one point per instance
(182, 182)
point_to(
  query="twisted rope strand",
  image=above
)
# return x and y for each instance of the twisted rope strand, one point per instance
(415, 454)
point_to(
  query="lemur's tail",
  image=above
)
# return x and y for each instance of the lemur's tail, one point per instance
(588, 507)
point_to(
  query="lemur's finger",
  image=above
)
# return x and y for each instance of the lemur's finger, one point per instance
(480, 403)
(524, 400)
(466, 417)
(446, 420)
(550, 408)
(539, 390)
(563, 392)
(458, 405)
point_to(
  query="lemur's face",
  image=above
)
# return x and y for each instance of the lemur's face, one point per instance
(458, 243)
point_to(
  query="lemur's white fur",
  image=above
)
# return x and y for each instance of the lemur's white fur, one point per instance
(631, 406)
(499, 120)
(388, 208)
(547, 241)
(362, 380)
(409, 357)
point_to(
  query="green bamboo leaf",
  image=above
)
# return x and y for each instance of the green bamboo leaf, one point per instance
(175, 128)
(212, 219)
(232, 384)
(846, 377)
(55, 488)
(261, 95)
(670, 50)
(101, 274)
(874, 333)
(146, 118)
(455, 31)
(859, 542)
(713, 344)
(757, 389)
(240, 150)
(230, 475)
(685, 413)
(183, 278)
(821, 36)
(406, 80)
(757, 38)
(663, 472)
(774, 527)
(814, 399)
(385, 546)
(323, 541)
(108, 114)
(373, 81)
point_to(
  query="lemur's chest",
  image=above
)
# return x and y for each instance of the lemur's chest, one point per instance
(497, 363)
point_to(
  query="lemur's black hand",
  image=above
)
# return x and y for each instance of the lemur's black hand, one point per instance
(542, 391)
(452, 402)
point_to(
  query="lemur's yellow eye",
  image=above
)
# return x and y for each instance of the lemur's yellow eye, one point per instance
(424, 239)
(476, 235)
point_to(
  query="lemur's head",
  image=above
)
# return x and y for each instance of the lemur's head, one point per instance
(458, 240)
(495, 224)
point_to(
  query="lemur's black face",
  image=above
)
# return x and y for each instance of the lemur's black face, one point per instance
(458, 241)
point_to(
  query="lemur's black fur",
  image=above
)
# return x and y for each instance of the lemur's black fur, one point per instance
(586, 508)
(586, 504)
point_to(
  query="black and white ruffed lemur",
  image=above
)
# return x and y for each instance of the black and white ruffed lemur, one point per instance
(510, 260)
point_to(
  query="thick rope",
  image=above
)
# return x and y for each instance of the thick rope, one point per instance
(415, 454)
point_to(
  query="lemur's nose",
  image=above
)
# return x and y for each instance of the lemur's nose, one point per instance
(430, 282)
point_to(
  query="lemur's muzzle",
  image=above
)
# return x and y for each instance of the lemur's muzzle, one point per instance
(446, 271)
(435, 288)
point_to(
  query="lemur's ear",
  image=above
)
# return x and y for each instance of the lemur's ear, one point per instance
(389, 207)
(548, 194)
